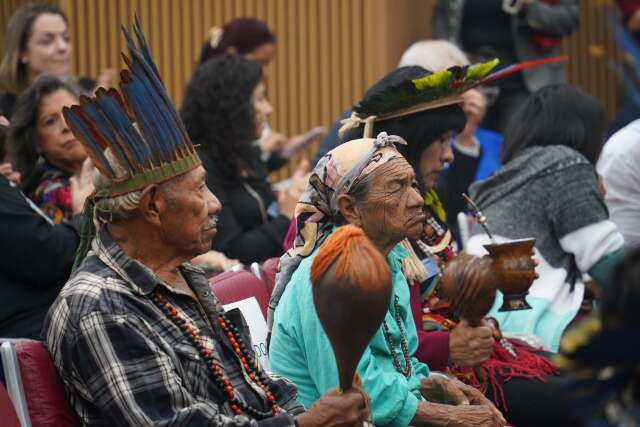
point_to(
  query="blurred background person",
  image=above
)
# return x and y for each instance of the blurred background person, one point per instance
(513, 31)
(253, 40)
(619, 167)
(548, 189)
(603, 354)
(43, 149)
(37, 41)
(224, 110)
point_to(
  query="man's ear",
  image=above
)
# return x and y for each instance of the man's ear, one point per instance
(231, 51)
(152, 204)
(348, 209)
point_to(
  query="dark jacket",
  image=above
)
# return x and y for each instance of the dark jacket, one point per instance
(7, 104)
(540, 17)
(246, 231)
(35, 262)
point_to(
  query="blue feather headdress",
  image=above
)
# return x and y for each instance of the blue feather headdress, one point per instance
(138, 125)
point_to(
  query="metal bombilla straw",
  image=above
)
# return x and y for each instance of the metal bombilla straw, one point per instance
(477, 213)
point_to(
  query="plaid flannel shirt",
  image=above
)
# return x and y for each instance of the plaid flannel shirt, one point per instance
(124, 362)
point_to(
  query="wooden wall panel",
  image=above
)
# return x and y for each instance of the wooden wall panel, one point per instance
(329, 51)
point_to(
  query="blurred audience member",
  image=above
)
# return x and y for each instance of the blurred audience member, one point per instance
(514, 31)
(43, 149)
(253, 40)
(248, 37)
(603, 353)
(37, 41)
(36, 254)
(224, 109)
(548, 189)
(630, 11)
(619, 167)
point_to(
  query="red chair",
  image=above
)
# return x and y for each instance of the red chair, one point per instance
(268, 269)
(233, 286)
(42, 386)
(7, 411)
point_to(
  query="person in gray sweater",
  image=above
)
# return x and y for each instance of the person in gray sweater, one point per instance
(548, 189)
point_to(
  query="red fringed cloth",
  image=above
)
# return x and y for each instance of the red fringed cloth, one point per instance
(544, 41)
(509, 359)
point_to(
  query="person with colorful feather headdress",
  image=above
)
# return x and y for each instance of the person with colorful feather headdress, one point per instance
(475, 354)
(136, 335)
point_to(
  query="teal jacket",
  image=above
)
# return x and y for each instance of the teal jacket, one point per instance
(300, 350)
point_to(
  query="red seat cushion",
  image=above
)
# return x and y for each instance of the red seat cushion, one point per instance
(269, 268)
(233, 286)
(43, 389)
(7, 411)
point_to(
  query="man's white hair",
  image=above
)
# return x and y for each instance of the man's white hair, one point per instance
(116, 208)
(433, 55)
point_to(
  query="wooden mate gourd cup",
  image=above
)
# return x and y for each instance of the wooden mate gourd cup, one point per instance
(515, 270)
(514, 265)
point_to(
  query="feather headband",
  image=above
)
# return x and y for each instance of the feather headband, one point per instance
(139, 125)
(433, 90)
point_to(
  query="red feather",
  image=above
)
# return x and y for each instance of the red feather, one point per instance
(519, 67)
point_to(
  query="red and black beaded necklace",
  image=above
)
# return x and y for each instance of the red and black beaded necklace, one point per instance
(258, 377)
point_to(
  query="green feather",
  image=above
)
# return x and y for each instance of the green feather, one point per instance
(481, 70)
(431, 87)
(433, 81)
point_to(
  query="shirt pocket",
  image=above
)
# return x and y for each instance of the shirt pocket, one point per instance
(192, 368)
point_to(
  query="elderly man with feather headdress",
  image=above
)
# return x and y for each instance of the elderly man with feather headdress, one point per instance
(136, 335)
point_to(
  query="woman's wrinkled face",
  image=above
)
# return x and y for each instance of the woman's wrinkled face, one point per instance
(48, 48)
(55, 141)
(261, 107)
(434, 158)
(263, 55)
(393, 208)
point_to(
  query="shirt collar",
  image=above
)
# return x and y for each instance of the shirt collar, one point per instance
(141, 278)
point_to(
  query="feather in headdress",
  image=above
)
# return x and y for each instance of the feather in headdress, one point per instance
(140, 127)
(438, 89)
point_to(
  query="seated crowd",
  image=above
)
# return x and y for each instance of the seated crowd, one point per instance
(116, 214)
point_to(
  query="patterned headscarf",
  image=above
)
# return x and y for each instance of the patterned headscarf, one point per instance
(316, 210)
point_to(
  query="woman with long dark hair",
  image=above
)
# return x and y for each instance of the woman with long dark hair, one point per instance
(548, 189)
(224, 110)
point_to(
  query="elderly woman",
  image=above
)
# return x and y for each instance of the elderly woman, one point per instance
(369, 184)
(43, 149)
